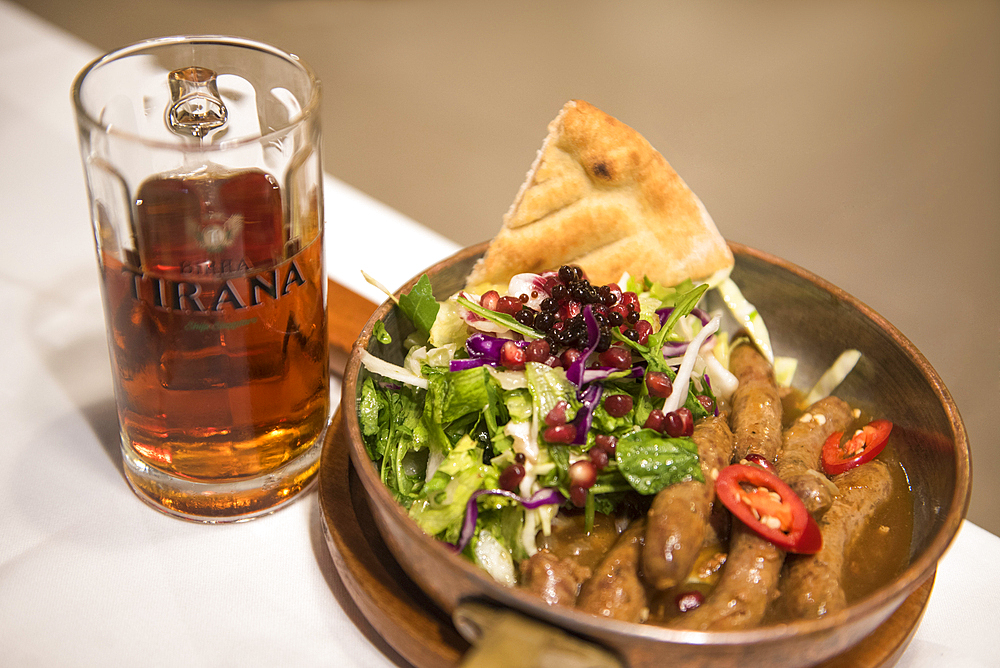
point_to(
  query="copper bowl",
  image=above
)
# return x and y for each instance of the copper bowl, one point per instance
(809, 319)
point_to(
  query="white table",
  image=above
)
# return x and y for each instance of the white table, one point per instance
(89, 575)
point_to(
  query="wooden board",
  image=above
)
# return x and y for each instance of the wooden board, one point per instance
(347, 313)
(423, 634)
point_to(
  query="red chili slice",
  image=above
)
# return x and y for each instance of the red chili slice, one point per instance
(864, 446)
(747, 492)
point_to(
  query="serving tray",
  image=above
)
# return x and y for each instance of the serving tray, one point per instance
(424, 635)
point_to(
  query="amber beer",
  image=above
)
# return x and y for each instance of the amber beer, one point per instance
(218, 341)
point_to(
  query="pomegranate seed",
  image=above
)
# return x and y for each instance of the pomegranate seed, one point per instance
(618, 405)
(569, 357)
(598, 457)
(679, 423)
(511, 477)
(643, 329)
(578, 495)
(489, 300)
(570, 309)
(519, 458)
(509, 305)
(557, 415)
(659, 384)
(616, 291)
(511, 356)
(706, 402)
(617, 357)
(553, 361)
(759, 461)
(607, 443)
(561, 433)
(655, 421)
(537, 351)
(621, 310)
(630, 300)
(582, 474)
(690, 600)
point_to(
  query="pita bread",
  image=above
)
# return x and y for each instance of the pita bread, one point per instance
(599, 196)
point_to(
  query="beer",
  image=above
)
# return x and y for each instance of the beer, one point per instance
(218, 342)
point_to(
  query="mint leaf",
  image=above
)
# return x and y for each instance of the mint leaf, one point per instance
(420, 306)
(650, 461)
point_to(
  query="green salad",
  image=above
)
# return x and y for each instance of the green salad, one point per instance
(556, 395)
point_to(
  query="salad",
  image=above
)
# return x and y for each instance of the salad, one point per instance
(555, 394)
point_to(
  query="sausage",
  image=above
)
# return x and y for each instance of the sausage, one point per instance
(678, 520)
(749, 582)
(812, 586)
(615, 590)
(556, 581)
(756, 416)
(799, 462)
(750, 577)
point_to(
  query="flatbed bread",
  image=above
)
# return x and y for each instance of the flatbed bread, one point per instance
(599, 196)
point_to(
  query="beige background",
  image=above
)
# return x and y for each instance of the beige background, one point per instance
(860, 140)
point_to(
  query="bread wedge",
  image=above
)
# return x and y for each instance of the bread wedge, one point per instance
(600, 197)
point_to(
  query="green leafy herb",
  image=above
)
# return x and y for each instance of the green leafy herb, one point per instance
(381, 335)
(650, 461)
(420, 306)
(500, 318)
(683, 306)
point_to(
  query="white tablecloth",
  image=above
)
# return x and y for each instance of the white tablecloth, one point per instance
(89, 575)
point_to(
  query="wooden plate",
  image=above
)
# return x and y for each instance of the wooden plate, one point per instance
(423, 634)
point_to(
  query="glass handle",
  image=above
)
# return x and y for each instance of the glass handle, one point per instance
(195, 105)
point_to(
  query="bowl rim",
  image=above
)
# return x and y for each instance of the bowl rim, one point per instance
(894, 592)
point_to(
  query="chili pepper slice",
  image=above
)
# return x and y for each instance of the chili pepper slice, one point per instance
(864, 446)
(769, 507)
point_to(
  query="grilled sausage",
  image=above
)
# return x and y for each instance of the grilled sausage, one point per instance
(812, 583)
(615, 590)
(749, 582)
(677, 521)
(756, 416)
(799, 462)
(556, 581)
(750, 577)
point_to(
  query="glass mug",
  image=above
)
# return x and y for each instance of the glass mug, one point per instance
(202, 161)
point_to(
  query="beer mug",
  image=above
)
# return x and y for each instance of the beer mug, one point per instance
(202, 161)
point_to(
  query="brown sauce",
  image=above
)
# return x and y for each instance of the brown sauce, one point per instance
(878, 555)
(881, 552)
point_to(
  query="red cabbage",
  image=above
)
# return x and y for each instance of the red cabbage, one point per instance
(590, 398)
(469, 363)
(542, 497)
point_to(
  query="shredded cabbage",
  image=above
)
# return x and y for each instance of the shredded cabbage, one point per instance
(833, 376)
(747, 316)
(389, 370)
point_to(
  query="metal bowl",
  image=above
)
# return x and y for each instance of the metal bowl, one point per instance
(809, 319)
